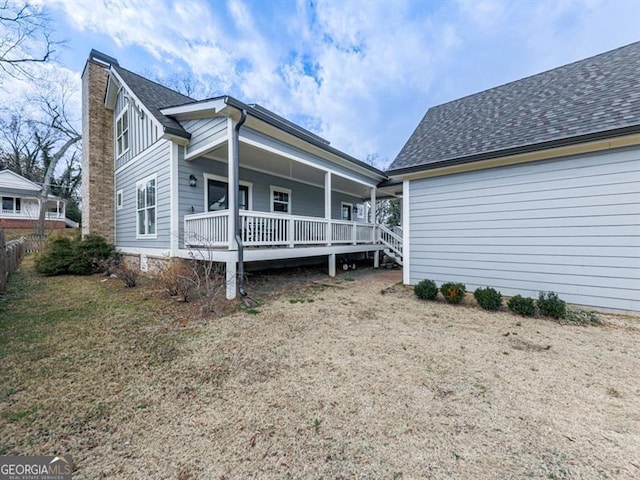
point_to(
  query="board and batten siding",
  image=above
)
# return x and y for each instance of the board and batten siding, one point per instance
(154, 161)
(205, 131)
(570, 225)
(143, 131)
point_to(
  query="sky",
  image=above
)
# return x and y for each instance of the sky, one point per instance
(359, 73)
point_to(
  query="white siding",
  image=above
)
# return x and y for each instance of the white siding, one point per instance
(570, 225)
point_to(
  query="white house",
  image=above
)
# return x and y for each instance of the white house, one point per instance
(21, 203)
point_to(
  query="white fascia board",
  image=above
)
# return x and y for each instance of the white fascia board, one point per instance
(137, 100)
(299, 159)
(270, 130)
(111, 95)
(207, 108)
(203, 150)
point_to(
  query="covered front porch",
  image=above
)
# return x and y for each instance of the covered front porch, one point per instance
(250, 192)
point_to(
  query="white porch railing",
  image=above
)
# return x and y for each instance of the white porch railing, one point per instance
(24, 214)
(392, 241)
(209, 229)
(258, 229)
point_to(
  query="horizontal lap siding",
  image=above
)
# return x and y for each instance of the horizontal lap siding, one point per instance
(306, 200)
(204, 132)
(155, 160)
(570, 225)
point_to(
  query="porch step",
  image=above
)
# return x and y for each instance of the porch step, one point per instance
(396, 258)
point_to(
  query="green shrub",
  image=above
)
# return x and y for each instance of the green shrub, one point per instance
(56, 257)
(82, 257)
(91, 254)
(426, 290)
(550, 305)
(488, 298)
(522, 305)
(453, 292)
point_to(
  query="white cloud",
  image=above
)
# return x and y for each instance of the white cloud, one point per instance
(361, 74)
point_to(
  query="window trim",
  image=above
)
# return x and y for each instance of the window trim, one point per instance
(144, 181)
(219, 178)
(125, 111)
(120, 199)
(16, 201)
(274, 188)
(350, 205)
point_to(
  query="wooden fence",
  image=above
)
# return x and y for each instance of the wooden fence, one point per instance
(11, 254)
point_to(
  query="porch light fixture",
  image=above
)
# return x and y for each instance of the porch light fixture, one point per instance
(193, 181)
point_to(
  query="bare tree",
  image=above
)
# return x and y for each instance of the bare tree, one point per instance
(33, 147)
(25, 38)
(62, 136)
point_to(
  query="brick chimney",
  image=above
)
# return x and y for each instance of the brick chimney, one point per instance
(97, 149)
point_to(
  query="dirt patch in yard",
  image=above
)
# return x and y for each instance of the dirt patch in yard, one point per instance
(347, 378)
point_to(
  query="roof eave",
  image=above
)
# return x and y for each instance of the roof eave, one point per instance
(561, 142)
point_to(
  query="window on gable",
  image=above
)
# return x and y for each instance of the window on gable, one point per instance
(122, 132)
(280, 200)
(146, 190)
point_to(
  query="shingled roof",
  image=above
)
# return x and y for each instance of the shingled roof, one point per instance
(598, 97)
(155, 96)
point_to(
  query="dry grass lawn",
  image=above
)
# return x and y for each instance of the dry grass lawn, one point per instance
(340, 381)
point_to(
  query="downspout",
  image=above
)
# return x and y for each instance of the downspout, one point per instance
(236, 208)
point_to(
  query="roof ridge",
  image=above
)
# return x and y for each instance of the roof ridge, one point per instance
(191, 99)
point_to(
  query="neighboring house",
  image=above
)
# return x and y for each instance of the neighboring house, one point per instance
(167, 176)
(21, 204)
(533, 185)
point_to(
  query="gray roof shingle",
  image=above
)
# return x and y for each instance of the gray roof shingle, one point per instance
(567, 104)
(155, 96)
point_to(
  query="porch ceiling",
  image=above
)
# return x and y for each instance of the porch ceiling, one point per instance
(254, 158)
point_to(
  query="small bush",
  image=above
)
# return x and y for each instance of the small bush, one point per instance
(179, 279)
(453, 292)
(488, 298)
(56, 257)
(522, 306)
(127, 273)
(426, 290)
(550, 305)
(82, 257)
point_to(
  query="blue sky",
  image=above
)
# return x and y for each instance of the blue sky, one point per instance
(359, 73)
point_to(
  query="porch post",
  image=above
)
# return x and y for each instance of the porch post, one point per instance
(231, 279)
(327, 209)
(373, 214)
(332, 265)
(232, 186)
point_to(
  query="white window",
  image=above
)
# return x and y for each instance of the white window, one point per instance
(346, 211)
(119, 199)
(11, 205)
(122, 132)
(146, 192)
(280, 200)
(217, 190)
